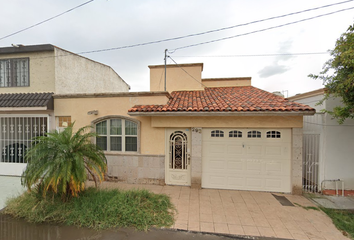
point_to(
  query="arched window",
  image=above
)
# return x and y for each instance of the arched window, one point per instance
(217, 133)
(254, 134)
(117, 134)
(235, 134)
(273, 134)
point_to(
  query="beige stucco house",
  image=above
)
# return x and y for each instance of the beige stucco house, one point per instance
(209, 133)
(29, 76)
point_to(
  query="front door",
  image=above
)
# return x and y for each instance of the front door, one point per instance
(177, 160)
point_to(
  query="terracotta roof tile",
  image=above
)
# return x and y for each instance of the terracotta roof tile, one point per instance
(224, 99)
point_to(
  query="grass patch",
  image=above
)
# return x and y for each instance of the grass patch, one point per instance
(97, 209)
(342, 219)
(307, 208)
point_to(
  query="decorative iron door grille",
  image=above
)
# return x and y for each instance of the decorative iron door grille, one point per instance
(178, 150)
(310, 174)
(16, 136)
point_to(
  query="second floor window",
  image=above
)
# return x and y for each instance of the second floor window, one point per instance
(14, 72)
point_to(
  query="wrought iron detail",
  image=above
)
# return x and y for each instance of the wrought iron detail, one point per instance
(178, 150)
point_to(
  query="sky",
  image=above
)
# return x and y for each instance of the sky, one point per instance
(262, 50)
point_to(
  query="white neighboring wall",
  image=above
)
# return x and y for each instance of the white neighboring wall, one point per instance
(336, 142)
(77, 74)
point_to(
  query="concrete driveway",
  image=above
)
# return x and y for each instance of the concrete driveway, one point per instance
(244, 213)
(240, 213)
(9, 187)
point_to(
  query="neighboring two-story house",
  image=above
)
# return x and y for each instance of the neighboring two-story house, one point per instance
(29, 76)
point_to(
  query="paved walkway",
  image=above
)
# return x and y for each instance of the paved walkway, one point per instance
(244, 213)
(241, 213)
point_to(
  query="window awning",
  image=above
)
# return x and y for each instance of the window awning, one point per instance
(26, 101)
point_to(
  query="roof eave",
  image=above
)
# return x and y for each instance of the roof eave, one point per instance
(225, 114)
(7, 109)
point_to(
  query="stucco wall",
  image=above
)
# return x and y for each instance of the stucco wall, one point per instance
(76, 74)
(338, 149)
(41, 69)
(296, 161)
(78, 108)
(229, 121)
(226, 82)
(336, 142)
(176, 77)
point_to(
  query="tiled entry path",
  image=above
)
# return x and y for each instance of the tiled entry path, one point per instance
(243, 213)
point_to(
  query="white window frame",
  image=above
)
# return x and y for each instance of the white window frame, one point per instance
(123, 135)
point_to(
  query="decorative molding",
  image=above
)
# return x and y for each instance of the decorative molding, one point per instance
(196, 130)
(178, 177)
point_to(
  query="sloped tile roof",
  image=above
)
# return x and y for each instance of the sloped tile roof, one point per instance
(224, 99)
(25, 99)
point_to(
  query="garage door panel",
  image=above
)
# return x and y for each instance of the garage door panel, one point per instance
(234, 150)
(234, 165)
(273, 150)
(261, 164)
(218, 180)
(236, 182)
(217, 148)
(217, 164)
(254, 182)
(274, 168)
(254, 150)
(255, 167)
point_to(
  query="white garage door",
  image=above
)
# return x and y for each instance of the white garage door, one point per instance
(247, 159)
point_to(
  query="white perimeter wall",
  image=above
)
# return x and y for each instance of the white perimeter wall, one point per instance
(336, 143)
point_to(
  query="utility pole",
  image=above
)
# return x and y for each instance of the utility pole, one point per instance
(165, 67)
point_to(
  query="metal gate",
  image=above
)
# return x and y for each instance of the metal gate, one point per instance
(16, 136)
(310, 160)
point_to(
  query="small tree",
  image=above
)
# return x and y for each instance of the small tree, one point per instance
(338, 76)
(60, 161)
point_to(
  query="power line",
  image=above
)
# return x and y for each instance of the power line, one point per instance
(261, 30)
(186, 71)
(22, 30)
(259, 55)
(210, 31)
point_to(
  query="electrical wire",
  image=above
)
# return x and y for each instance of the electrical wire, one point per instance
(186, 71)
(211, 31)
(259, 55)
(261, 30)
(22, 30)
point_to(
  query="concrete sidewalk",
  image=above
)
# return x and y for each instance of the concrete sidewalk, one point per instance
(334, 202)
(243, 213)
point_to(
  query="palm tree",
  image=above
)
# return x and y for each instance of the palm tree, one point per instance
(60, 161)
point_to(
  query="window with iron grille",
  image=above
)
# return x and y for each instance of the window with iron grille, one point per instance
(117, 134)
(14, 72)
(16, 136)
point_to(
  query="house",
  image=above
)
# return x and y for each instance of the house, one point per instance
(209, 133)
(328, 147)
(29, 76)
